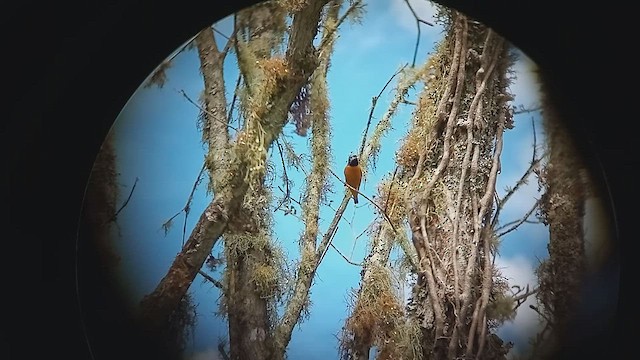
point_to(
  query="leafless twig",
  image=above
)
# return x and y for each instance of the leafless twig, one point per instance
(374, 101)
(287, 192)
(213, 117)
(345, 257)
(418, 21)
(522, 110)
(215, 282)
(221, 350)
(533, 165)
(115, 215)
(234, 99)
(187, 207)
(520, 297)
(517, 223)
(535, 308)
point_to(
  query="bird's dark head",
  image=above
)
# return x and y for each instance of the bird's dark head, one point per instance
(353, 160)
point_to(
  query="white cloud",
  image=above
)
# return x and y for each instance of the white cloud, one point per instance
(405, 19)
(519, 271)
(208, 354)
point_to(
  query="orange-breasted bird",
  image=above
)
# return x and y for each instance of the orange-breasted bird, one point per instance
(353, 176)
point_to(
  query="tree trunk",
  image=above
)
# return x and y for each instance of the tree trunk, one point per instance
(300, 61)
(563, 210)
(451, 159)
(248, 250)
(215, 131)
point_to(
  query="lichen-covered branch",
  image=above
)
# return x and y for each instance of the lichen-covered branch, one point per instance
(299, 65)
(449, 162)
(320, 152)
(375, 317)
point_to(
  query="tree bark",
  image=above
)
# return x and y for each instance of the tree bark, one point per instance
(215, 127)
(563, 208)
(300, 60)
(452, 185)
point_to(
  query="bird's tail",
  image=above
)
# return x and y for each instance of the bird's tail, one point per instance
(355, 198)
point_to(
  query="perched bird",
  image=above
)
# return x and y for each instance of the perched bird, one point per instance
(353, 175)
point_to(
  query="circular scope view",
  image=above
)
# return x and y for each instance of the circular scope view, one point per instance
(313, 179)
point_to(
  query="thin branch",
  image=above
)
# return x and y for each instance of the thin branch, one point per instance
(533, 165)
(115, 215)
(365, 229)
(332, 230)
(523, 110)
(520, 299)
(231, 39)
(187, 207)
(215, 282)
(418, 21)
(222, 352)
(213, 117)
(386, 205)
(234, 99)
(366, 197)
(374, 101)
(519, 222)
(344, 257)
(221, 33)
(287, 193)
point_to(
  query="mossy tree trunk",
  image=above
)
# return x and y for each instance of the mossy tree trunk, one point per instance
(451, 159)
(567, 184)
(251, 272)
(275, 83)
(447, 169)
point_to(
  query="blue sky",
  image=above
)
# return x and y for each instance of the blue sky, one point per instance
(157, 141)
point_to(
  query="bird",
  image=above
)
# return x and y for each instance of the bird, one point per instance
(353, 176)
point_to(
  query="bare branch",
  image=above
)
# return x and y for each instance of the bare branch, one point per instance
(519, 299)
(332, 230)
(222, 351)
(234, 99)
(115, 215)
(535, 161)
(517, 223)
(287, 193)
(418, 21)
(345, 257)
(187, 207)
(365, 229)
(374, 101)
(215, 282)
(213, 117)
(221, 33)
(522, 110)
